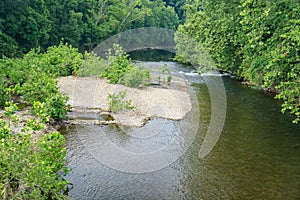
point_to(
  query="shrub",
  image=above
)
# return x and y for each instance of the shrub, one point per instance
(56, 106)
(39, 86)
(119, 64)
(30, 168)
(165, 72)
(92, 66)
(61, 60)
(117, 103)
(14, 71)
(136, 76)
(10, 110)
(3, 96)
(39, 109)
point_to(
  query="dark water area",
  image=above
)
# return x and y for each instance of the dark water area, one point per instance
(151, 55)
(256, 157)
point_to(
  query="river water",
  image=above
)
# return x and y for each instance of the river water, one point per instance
(256, 157)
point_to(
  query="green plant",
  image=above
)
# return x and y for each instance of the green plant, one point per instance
(136, 77)
(39, 86)
(61, 60)
(10, 110)
(40, 110)
(32, 125)
(258, 40)
(56, 106)
(119, 64)
(165, 72)
(30, 167)
(93, 66)
(117, 103)
(3, 95)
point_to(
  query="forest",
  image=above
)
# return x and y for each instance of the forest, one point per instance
(259, 41)
(83, 24)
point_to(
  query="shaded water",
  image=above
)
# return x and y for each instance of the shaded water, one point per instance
(256, 157)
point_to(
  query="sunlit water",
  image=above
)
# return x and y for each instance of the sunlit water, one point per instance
(256, 157)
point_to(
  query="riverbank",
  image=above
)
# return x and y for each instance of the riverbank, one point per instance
(90, 94)
(23, 116)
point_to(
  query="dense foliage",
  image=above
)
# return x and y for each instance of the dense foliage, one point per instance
(33, 77)
(117, 67)
(137, 76)
(179, 6)
(31, 167)
(32, 163)
(84, 24)
(258, 40)
(118, 64)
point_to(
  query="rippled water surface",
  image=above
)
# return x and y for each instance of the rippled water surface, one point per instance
(256, 157)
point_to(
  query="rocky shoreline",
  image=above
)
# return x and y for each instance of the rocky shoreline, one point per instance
(90, 95)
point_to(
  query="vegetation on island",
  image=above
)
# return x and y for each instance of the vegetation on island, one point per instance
(117, 103)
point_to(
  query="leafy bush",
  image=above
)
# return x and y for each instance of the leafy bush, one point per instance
(62, 60)
(39, 109)
(119, 64)
(10, 110)
(14, 71)
(136, 76)
(117, 103)
(39, 86)
(56, 106)
(117, 68)
(92, 66)
(3, 96)
(30, 168)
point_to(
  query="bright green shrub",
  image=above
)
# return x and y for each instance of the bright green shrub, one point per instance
(56, 106)
(119, 64)
(136, 77)
(39, 86)
(29, 168)
(14, 71)
(3, 96)
(62, 60)
(117, 69)
(39, 109)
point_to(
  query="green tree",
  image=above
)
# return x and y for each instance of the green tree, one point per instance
(25, 22)
(257, 40)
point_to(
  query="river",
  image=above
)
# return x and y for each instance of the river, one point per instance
(256, 157)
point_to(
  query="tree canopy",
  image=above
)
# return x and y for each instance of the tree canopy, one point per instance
(257, 40)
(30, 24)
